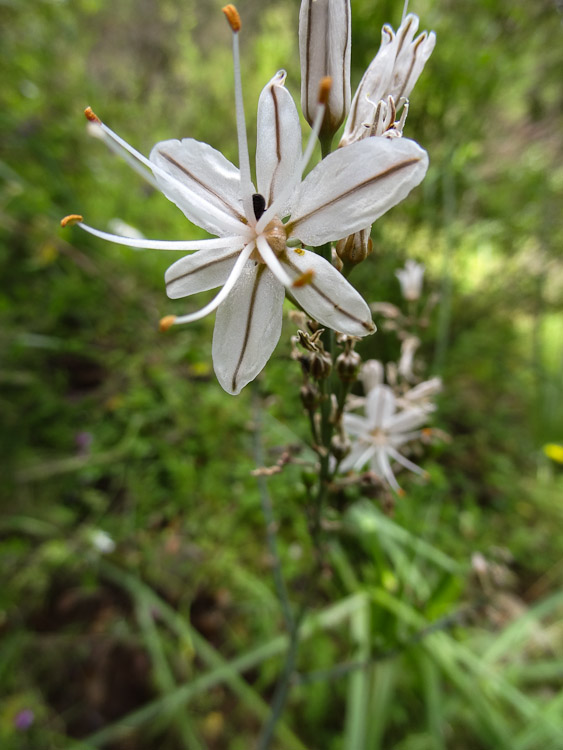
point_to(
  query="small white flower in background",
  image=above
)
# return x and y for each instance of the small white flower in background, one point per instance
(102, 541)
(410, 278)
(421, 394)
(377, 436)
(252, 259)
(324, 50)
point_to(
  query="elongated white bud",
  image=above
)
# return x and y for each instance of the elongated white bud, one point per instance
(324, 48)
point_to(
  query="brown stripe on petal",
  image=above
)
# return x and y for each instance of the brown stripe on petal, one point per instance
(231, 210)
(290, 226)
(416, 48)
(202, 267)
(311, 285)
(278, 144)
(248, 325)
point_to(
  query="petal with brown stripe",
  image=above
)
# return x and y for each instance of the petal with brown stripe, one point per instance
(328, 297)
(354, 186)
(205, 269)
(211, 185)
(278, 145)
(247, 327)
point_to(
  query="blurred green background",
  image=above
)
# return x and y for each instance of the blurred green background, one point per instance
(168, 634)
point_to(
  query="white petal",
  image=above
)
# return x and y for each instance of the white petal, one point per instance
(328, 298)
(211, 194)
(356, 425)
(411, 57)
(358, 457)
(380, 406)
(247, 328)
(372, 88)
(205, 269)
(400, 459)
(278, 146)
(383, 468)
(409, 419)
(355, 185)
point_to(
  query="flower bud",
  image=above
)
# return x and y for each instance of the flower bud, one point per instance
(324, 48)
(340, 446)
(355, 248)
(410, 278)
(310, 396)
(347, 365)
(320, 365)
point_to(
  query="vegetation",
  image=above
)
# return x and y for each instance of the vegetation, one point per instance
(437, 621)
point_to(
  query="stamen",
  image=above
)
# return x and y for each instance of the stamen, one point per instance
(405, 10)
(233, 17)
(192, 197)
(94, 129)
(246, 186)
(324, 89)
(233, 243)
(71, 220)
(258, 204)
(270, 259)
(305, 279)
(225, 291)
(268, 215)
(92, 116)
(166, 322)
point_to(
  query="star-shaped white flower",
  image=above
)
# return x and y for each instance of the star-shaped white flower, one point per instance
(377, 436)
(254, 258)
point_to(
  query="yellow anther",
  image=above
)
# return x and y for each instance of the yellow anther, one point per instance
(71, 219)
(324, 89)
(166, 322)
(427, 431)
(92, 116)
(401, 492)
(299, 251)
(305, 279)
(233, 17)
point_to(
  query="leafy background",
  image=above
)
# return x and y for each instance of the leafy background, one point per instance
(175, 638)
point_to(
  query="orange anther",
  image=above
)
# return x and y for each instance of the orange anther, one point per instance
(92, 116)
(71, 219)
(166, 322)
(324, 89)
(305, 279)
(232, 17)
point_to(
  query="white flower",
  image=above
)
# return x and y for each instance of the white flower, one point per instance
(410, 278)
(378, 436)
(393, 73)
(251, 259)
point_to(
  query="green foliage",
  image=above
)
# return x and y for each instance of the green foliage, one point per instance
(175, 638)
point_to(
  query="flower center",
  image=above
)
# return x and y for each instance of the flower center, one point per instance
(276, 237)
(378, 436)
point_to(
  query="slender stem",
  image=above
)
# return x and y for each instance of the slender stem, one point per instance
(268, 512)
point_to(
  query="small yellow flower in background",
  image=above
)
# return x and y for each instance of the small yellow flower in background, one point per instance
(554, 451)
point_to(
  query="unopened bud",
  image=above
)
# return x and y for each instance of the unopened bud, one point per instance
(324, 48)
(340, 446)
(355, 248)
(320, 365)
(310, 396)
(347, 366)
